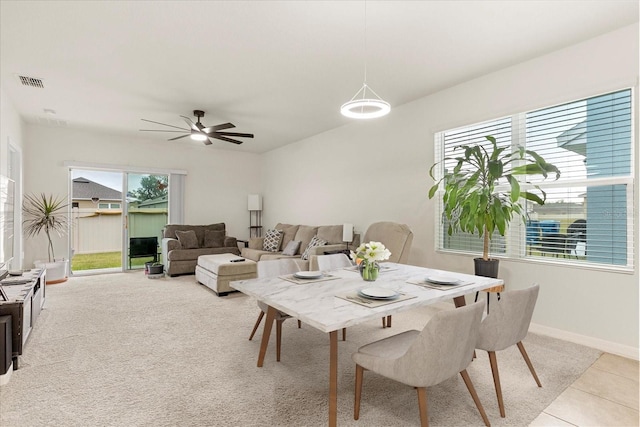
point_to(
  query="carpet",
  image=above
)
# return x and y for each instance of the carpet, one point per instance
(123, 350)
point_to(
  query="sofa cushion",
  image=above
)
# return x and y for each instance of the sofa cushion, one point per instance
(305, 233)
(170, 230)
(213, 238)
(272, 240)
(187, 239)
(289, 233)
(292, 248)
(315, 241)
(331, 233)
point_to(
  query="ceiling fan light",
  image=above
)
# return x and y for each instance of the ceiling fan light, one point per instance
(198, 136)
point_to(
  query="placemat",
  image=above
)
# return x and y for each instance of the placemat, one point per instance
(357, 299)
(293, 279)
(425, 284)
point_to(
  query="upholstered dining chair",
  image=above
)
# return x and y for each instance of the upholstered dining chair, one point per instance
(395, 237)
(274, 268)
(425, 358)
(506, 325)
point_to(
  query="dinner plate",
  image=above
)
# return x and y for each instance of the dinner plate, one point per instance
(442, 280)
(378, 293)
(308, 274)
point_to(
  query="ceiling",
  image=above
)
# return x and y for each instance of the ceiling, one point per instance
(278, 69)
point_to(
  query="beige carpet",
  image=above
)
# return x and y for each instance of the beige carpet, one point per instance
(124, 350)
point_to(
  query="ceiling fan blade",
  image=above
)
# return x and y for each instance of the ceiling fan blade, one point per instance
(218, 127)
(178, 137)
(222, 138)
(191, 124)
(157, 130)
(163, 124)
(240, 135)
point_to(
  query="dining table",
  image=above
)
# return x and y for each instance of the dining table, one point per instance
(332, 300)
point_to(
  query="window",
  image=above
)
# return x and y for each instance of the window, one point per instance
(108, 205)
(588, 215)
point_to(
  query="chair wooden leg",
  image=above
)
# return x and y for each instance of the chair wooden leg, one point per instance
(299, 324)
(344, 334)
(255, 327)
(422, 406)
(474, 396)
(529, 364)
(358, 392)
(384, 322)
(278, 338)
(496, 380)
(389, 321)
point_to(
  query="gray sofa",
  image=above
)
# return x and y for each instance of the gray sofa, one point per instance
(332, 234)
(210, 239)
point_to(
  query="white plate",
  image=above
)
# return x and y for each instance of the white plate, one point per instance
(442, 280)
(308, 274)
(378, 293)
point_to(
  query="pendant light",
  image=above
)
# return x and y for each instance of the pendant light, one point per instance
(365, 104)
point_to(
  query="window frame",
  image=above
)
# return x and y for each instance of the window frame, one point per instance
(515, 247)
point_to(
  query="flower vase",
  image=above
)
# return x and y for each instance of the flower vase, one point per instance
(369, 271)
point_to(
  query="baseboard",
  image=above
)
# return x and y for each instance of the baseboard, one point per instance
(606, 346)
(4, 378)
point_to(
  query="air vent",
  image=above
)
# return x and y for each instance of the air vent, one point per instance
(31, 82)
(51, 122)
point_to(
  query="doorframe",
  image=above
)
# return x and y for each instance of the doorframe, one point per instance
(176, 198)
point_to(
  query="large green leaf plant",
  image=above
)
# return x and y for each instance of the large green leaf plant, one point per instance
(473, 199)
(45, 213)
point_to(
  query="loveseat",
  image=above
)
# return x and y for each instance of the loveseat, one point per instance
(329, 238)
(183, 244)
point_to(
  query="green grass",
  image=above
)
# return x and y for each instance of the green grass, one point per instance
(104, 260)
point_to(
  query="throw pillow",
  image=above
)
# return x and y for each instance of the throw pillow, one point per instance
(272, 240)
(187, 239)
(213, 239)
(315, 241)
(292, 248)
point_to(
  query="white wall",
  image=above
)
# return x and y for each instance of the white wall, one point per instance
(378, 170)
(10, 130)
(216, 185)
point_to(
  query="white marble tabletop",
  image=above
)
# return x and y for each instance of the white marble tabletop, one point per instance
(316, 303)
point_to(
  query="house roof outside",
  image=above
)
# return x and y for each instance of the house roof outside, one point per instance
(85, 189)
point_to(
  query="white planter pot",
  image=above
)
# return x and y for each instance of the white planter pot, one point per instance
(56, 271)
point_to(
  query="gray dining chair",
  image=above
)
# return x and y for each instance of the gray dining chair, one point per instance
(333, 262)
(506, 325)
(274, 268)
(425, 358)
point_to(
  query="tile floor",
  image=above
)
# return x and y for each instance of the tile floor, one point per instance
(605, 395)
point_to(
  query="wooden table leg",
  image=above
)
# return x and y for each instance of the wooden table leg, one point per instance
(268, 323)
(333, 378)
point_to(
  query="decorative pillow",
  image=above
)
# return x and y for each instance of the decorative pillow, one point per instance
(213, 238)
(292, 248)
(315, 241)
(272, 240)
(187, 239)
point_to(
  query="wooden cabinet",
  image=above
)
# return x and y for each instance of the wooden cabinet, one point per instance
(24, 306)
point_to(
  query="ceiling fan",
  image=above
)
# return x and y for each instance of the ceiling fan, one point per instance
(199, 132)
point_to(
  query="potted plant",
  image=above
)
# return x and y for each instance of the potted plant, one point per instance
(482, 194)
(48, 214)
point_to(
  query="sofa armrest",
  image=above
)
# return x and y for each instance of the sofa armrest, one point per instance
(256, 243)
(169, 244)
(320, 250)
(230, 242)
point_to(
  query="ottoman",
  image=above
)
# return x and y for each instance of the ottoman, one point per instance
(216, 271)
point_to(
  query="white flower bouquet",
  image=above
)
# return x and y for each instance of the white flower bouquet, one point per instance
(367, 256)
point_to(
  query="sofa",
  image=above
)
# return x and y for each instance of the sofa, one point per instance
(183, 244)
(331, 234)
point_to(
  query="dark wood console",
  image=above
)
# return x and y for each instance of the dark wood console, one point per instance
(26, 299)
